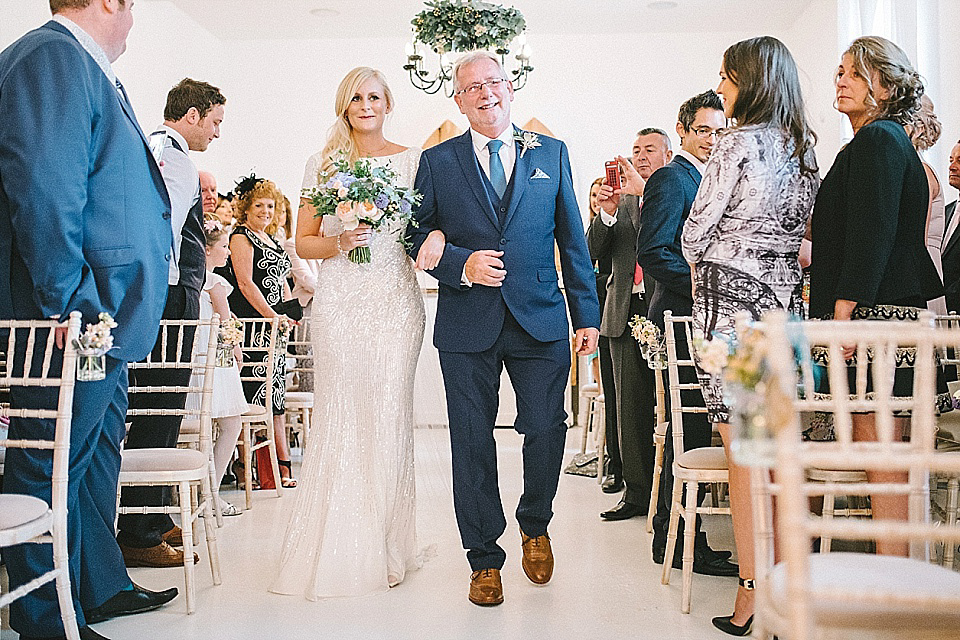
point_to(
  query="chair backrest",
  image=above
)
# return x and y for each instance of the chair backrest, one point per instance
(261, 344)
(302, 355)
(684, 326)
(863, 386)
(171, 352)
(30, 360)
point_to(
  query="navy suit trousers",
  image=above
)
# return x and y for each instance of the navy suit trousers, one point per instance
(538, 372)
(97, 572)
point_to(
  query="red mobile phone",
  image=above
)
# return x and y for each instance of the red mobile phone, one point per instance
(613, 173)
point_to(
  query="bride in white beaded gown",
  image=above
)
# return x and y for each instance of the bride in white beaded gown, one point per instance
(353, 527)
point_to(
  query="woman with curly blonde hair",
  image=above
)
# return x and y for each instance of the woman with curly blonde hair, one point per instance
(869, 222)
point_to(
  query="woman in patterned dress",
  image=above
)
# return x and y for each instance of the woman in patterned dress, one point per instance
(260, 267)
(743, 236)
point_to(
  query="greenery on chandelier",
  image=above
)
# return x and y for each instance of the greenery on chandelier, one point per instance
(466, 25)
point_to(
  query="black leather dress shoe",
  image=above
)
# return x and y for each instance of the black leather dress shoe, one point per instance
(613, 484)
(723, 555)
(624, 511)
(126, 603)
(704, 564)
(86, 633)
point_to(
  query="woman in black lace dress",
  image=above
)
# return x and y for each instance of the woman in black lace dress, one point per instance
(260, 267)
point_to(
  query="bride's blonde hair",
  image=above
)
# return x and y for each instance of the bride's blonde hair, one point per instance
(340, 137)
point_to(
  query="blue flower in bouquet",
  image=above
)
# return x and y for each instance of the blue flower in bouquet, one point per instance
(381, 201)
(405, 207)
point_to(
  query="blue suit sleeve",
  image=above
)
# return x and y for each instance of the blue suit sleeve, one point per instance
(578, 278)
(658, 244)
(46, 113)
(450, 269)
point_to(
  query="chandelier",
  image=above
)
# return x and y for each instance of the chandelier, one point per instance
(447, 27)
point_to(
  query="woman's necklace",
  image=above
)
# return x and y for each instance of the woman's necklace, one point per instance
(370, 154)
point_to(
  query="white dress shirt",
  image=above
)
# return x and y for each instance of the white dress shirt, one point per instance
(183, 184)
(508, 152)
(692, 159)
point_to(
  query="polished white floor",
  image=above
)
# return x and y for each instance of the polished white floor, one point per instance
(605, 585)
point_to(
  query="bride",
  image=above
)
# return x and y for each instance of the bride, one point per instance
(353, 528)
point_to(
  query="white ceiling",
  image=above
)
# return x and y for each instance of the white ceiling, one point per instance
(292, 19)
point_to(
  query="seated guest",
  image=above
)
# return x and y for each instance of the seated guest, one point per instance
(256, 259)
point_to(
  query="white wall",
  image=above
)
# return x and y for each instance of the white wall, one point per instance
(593, 91)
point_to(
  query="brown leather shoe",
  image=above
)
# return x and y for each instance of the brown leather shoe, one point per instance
(174, 537)
(160, 556)
(486, 590)
(537, 558)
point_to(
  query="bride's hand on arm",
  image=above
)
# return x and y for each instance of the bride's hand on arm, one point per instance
(431, 251)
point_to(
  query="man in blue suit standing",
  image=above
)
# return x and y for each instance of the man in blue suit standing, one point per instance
(84, 226)
(502, 197)
(667, 198)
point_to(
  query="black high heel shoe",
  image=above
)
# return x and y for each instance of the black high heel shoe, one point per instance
(288, 482)
(725, 623)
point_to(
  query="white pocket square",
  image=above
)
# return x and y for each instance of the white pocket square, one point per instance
(539, 174)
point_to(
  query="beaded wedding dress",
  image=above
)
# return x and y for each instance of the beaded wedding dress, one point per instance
(353, 527)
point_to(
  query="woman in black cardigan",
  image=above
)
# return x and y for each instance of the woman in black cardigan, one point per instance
(868, 227)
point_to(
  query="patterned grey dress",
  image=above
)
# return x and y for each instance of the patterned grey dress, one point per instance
(744, 234)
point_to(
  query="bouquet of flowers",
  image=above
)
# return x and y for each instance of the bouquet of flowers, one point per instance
(231, 332)
(363, 193)
(96, 340)
(648, 336)
(92, 345)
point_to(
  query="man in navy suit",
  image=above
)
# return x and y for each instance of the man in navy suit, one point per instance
(84, 226)
(667, 198)
(502, 197)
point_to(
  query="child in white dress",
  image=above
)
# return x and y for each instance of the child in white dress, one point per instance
(228, 402)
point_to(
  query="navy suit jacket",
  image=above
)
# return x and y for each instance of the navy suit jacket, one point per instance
(84, 214)
(541, 211)
(667, 198)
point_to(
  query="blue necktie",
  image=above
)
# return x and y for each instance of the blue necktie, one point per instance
(498, 179)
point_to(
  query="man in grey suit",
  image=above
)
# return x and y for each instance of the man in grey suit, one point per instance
(613, 234)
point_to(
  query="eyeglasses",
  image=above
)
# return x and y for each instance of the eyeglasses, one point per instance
(706, 132)
(477, 87)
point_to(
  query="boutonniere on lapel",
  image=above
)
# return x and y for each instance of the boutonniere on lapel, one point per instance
(527, 139)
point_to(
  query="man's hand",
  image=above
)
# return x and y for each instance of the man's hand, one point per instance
(631, 181)
(608, 199)
(585, 341)
(60, 337)
(485, 267)
(431, 251)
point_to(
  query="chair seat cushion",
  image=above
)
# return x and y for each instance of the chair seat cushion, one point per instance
(299, 397)
(254, 410)
(835, 475)
(866, 573)
(18, 510)
(161, 460)
(704, 458)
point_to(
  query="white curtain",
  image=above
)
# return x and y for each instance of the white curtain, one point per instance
(912, 24)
